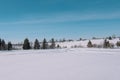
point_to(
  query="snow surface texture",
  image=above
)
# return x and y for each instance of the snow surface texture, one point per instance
(60, 64)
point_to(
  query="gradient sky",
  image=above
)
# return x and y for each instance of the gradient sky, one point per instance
(58, 18)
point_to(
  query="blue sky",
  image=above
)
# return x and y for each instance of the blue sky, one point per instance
(58, 18)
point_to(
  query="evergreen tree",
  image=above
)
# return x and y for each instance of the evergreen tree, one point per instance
(0, 44)
(3, 45)
(52, 46)
(44, 44)
(80, 39)
(64, 40)
(58, 46)
(36, 44)
(89, 44)
(106, 44)
(26, 44)
(110, 38)
(9, 46)
(118, 44)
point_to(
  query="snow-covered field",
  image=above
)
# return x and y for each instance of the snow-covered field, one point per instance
(60, 64)
(84, 43)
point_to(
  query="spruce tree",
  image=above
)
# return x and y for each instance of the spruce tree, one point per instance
(52, 46)
(58, 46)
(9, 46)
(0, 44)
(44, 44)
(89, 44)
(3, 45)
(118, 44)
(36, 44)
(110, 38)
(26, 44)
(106, 44)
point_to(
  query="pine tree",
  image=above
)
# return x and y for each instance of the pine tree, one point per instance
(0, 44)
(110, 38)
(36, 44)
(80, 39)
(89, 44)
(52, 46)
(3, 45)
(64, 40)
(26, 44)
(44, 44)
(9, 46)
(58, 46)
(118, 44)
(106, 44)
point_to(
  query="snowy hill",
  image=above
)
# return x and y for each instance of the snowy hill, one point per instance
(85, 42)
(60, 64)
(74, 43)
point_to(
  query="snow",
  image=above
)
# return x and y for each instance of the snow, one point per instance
(72, 44)
(85, 42)
(60, 64)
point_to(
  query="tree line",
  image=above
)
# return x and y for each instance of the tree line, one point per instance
(106, 44)
(45, 44)
(52, 44)
(4, 46)
(26, 44)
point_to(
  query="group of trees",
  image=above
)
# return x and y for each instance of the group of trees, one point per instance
(27, 45)
(44, 45)
(52, 44)
(106, 44)
(4, 46)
